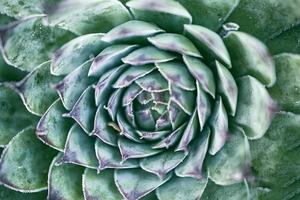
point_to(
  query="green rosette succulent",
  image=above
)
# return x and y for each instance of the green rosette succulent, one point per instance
(148, 99)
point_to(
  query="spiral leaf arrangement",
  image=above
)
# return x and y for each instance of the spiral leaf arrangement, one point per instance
(154, 104)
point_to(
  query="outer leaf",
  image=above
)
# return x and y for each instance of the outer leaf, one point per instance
(255, 107)
(179, 188)
(276, 157)
(210, 14)
(52, 128)
(64, 181)
(168, 14)
(88, 16)
(36, 89)
(231, 164)
(24, 163)
(254, 16)
(30, 43)
(14, 117)
(100, 186)
(286, 90)
(136, 183)
(76, 52)
(80, 149)
(249, 56)
(9, 73)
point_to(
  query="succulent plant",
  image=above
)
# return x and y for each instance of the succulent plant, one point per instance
(148, 99)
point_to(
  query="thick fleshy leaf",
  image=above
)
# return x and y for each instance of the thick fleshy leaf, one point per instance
(145, 120)
(177, 74)
(131, 74)
(184, 99)
(73, 85)
(255, 107)
(171, 139)
(249, 56)
(219, 127)
(203, 106)
(233, 192)
(175, 43)
(126, 129)
(110, 58)
(102, 129)
(64, 181)
(104, 87)
(147, 55)
(14, 117)
(130, 149)
(201, 73)
(163, 122)
(168, 14)
(84, 110)
(76, 52)
(286, 90)
(80, 148)
(113, 103)
(162, 163)
(176, 115)
(275, 157)
(210, 14)
(227, 88)
(136, 183)
(153, 135)
(192, 166)
(52, 128)
(153, 82)
(100, 186)
(260, 13)
(232, 163)
(178, 188)
(132, 31)
(209, 43)
(89, 16)
(110, 157)
(130, 94)
(36, 89)
(30, 43)
(189, 133)
(24, 163)
(8, 194)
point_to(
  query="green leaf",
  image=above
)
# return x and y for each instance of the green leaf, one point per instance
(76, 52)
(250, 56)
(109, 157)
(209, 43)
(275, 157)
(8, 194)
(52, 128)
(210, 14)
(220, 192)
(286, 90)
(80, 148)
(153, 82)
(73, 85)
(184, 99)
(136, 183)
(100, 186)
(255, 108)
(254, 16)
(89, 16)
(65, 180)
(178, 188)
(203, 106)
(14, 117)
(175, 43)
(24, 163)
(133, 31)
(168, 14)
(286, 41)
(36, 89)
(31, 43)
